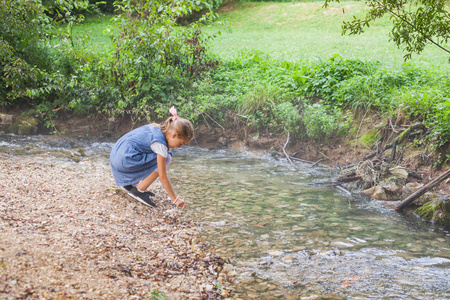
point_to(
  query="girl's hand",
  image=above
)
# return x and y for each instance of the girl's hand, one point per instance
(180, 203)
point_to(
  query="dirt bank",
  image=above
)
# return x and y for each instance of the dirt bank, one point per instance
(66, 232)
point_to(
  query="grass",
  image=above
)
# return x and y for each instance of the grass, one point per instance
(93, 27)
(305, 30)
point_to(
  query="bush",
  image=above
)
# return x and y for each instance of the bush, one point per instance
(321, 78)
(25, 57)
(321, 122)
(429, 104)
(154, 61)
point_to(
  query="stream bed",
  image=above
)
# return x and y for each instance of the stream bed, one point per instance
(288, 235)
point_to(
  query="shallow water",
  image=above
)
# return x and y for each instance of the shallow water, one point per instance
(288, 235)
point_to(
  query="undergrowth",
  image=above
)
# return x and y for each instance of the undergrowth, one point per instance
(319, 99)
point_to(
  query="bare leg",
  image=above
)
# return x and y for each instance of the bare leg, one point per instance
(147, 181)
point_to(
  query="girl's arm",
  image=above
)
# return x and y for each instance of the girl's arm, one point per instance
(161, 161)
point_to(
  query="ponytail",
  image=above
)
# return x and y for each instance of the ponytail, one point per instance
(182, 126)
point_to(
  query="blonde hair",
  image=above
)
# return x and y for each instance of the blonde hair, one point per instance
(183, 127)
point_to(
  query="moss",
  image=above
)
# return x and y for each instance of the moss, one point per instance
(354, 130)
(81, 151)
(13, 128)
(19, 151)
(24, 125)
(75, 158)
(437, 211)
(370, 137)
(25, 129)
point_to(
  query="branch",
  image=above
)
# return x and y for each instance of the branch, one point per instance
(398, 140)
(422, 191)
(412, 26)
(284, 150)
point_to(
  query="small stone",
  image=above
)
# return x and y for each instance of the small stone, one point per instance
(227, 268)
(379, 193)
(275, 253)
(410, 188)
(288, 259)
(369, 191)
(393, 188)
(399, 172)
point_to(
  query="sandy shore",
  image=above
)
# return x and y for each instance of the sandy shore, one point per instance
(66, 232)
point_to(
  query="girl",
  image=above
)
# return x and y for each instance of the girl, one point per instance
(141, 156)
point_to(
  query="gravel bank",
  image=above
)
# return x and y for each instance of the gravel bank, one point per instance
(66, 232)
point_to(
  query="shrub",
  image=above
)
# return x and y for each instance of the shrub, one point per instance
(154, 60)
(321, 78)
(25, 57)
(287, 116)
(429, 104)
(321, 122)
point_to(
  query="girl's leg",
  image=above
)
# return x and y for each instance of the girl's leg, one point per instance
(147, 181)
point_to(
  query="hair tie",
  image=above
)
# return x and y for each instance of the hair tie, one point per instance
(173, 111)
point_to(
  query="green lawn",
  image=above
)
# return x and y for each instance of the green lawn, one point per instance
(304, 30)
(94, 27)
(294, 31)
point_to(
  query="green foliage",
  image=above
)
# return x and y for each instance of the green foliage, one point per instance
(63, 10)
(26, 60)
(265, 106)
(105, 6)
(154, 60)
(157, 295)
(370, 138)
(373, 90)
(321, 77)
(286, 114)
(416, 23)
(429, 104)
(321, 122)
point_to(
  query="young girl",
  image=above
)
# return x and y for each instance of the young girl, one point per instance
(141, 156)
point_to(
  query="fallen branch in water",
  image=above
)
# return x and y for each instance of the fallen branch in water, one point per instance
(422, 191)
(344, 190)
(317, 162)
(301, 160)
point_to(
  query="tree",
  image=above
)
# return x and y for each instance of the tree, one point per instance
(416, 23)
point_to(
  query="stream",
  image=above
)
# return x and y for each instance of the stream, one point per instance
(288, 235)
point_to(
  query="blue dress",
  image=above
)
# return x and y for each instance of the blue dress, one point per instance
(131, 157)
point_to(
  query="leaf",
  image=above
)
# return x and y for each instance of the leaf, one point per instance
(345, 284)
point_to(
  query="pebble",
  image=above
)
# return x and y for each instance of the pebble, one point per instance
(102, 244)
(275, 252)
